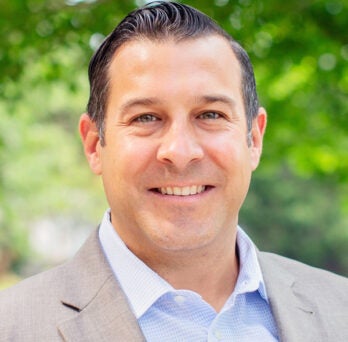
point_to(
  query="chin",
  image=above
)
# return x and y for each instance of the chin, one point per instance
(184, 241)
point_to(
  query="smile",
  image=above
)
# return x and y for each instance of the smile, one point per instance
(182, 191)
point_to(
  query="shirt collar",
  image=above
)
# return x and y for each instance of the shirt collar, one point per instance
(143, 287)
(250, 277)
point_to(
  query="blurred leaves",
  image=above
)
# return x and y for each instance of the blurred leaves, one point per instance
(298, 204)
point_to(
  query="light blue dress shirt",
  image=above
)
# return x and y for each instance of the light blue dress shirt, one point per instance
(166, 314)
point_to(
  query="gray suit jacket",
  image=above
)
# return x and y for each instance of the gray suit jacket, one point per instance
(81, 301)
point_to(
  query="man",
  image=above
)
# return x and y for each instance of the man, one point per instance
(175, 130)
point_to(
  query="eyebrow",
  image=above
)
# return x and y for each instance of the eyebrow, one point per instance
(204, 99)
(141, 101)
(208, 99)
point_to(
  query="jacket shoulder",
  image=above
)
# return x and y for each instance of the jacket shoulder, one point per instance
(33, 302)
(32, 309)
(309, 304)
(305, 275)
(43, 283)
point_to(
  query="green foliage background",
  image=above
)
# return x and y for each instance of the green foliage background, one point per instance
(298, 201)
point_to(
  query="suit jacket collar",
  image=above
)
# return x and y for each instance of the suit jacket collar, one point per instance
(102, 311)
(293, 308)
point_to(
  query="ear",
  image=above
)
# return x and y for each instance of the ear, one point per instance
(257, 133)
(91, 142)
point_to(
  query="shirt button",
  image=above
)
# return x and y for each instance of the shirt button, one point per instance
(218, 335)
(180, 299)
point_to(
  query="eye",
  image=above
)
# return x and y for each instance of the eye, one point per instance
(146, 118)
(209, 116)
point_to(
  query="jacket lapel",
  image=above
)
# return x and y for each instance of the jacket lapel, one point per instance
(293, 309)
(91, 291)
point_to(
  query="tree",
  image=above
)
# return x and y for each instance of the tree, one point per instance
(298, 204)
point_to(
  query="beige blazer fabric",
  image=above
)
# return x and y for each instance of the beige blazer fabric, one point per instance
(82, 301)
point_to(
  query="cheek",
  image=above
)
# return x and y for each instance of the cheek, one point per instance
(128, 158)
(230, 152)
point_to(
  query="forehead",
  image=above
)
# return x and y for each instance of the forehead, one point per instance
(214, 50)
(191, 66)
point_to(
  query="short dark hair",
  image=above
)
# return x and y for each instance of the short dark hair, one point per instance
(158, 21)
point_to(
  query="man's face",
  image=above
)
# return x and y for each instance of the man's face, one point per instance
(176, 164)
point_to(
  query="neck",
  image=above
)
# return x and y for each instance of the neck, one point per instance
(211, 275)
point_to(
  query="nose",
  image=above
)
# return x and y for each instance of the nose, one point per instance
(179, 147)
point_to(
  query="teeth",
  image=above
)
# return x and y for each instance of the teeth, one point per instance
(182, 191)
(186, 191)
(176, 191)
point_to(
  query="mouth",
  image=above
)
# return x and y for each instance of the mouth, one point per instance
(182, 191)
